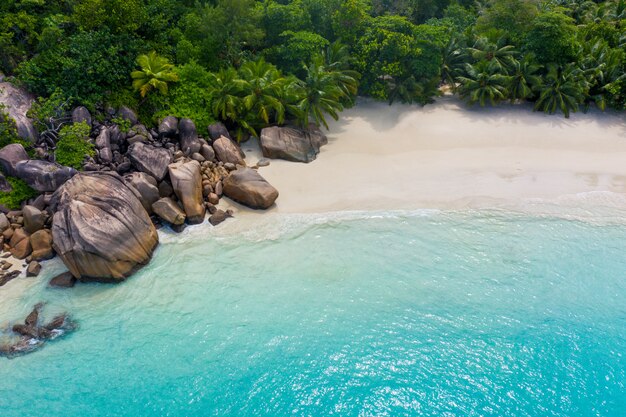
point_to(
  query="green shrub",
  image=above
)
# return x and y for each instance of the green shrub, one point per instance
(20, 192)
(74, 145)
(122, 123)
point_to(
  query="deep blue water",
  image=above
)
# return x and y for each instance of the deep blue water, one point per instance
(419, 314)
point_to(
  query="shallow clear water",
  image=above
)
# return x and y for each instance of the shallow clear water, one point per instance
(434, 314)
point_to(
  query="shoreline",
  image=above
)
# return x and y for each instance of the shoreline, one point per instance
(449, 156)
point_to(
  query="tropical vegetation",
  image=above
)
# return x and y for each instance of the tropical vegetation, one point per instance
(252, 63)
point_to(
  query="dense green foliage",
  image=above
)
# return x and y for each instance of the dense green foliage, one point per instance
(73, 145)
(255, 62)
(20, 192)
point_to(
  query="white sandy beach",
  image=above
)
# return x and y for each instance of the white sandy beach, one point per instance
(450, 156)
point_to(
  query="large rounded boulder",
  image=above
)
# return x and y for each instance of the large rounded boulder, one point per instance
(100, 229)
(248, 187)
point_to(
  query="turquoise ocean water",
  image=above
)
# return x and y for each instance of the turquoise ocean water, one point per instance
(413, 313)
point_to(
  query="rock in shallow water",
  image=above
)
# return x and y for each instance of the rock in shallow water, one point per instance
(100, 229)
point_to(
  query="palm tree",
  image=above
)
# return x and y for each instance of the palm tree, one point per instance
(497, 54)
(225, 93)
(156, 72)
(483, 82)
(454, 59)
(523, 79)
(602, 67)
(563, 90)
(262, 89)
(336, 60)
(322, 94)
(405, 90)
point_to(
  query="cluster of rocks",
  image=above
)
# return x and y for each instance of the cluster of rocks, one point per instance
(32, 334)
(25, 234)
(102, 221)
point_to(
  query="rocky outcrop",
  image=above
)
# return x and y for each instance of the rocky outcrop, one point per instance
(168, 127)
(150, 159)
(227, 151)
(63, 280)
(216, 130)
(146, 186)
(81, 114)
(187, 184)
(188, 135)
(249, 188)
(34, 219)
(43, 176)
(4, 184)
(17, 102)
(20, 244)
(10, 156)
(291, 144)
(33, 335)
(169, 211)
(100, 229)
(127, 114)
(41, 244)
(103, 145)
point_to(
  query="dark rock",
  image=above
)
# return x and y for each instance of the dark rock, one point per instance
(33, 318)
(123, 167)
(146, 186)
(103, 144)
(34, 268)
(187, 184)
(59, 321)
(165, 189)
(5, 187)
(218, 217)
(39, 202)
(263, 162)
(24, 330)
(128, 114)
(17, 102)
(168, 127)
(189, 142)
(115, 134)
(178, 228)
(44, 176)
(151, 160)
(249, 188)
(218, 129)
(81, 114)
(213, 198)
(41, 244)
(64, 280)
(34, 219)
(227, 151)
(10, 156)
(207, 152)
(136, 138)
(9, 276)
(169, 211)
(291, 144)
(100, 229)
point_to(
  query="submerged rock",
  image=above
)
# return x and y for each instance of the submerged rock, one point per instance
(100, 229)
(291, 144)
(249, 188)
